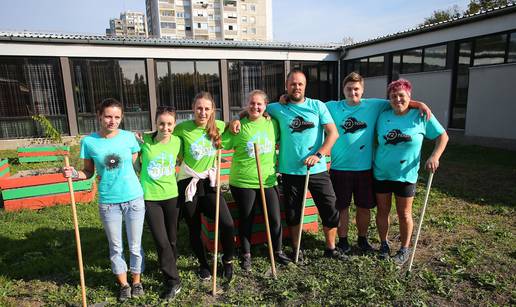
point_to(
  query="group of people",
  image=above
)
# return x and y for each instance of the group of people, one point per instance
(306, 131)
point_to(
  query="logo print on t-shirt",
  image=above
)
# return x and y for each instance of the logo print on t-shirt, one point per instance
(352, 125)
(202, 147)
(112, 161)
(395, 136)
(264, 144)
(161, 166)
(299, 124)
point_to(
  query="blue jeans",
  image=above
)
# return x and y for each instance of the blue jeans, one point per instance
(112, 215)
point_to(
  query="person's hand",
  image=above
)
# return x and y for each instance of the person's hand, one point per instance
(139, 137)
(311, 160)
(284, 99)
(234, 126)
(425, 110)
(70, 172)
(432, 164)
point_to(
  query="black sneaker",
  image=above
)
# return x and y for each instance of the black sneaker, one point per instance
(402, 256)
(385, 251)
(137, 290)
(282, 258)
(228, 270)
(125, 293)
(204, 273)
(171, 291)
(245, 263)
(335, 254)
(343, 246)
(364, 246)
(301, 256)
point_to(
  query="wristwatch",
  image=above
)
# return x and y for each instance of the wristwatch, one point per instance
(319, 155)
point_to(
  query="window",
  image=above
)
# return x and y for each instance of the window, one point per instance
(245, 76)
(252, 19)
(411, 61)
(490, 49)
(244, 30)
(125, 80)
(253, 30)
(243, 7)
(460, 98)
(434, 58)
(30, 86)
(376, 66)
(244, 19)
(167, 13)
(188, 27)
(511, 57)
(179, 81)
(180, 14)
(168, 25)
(202, 26)
(187, 15)
(321, 79)
(252, 7)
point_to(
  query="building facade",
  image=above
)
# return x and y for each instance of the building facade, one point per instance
(129, 24)
(243, 20)
(465, 69)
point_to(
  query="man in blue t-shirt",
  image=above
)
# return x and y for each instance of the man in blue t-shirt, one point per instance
(352, 155)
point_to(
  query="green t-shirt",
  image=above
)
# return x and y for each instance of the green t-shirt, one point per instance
(198, 150)
(158, 174)
(244, 173)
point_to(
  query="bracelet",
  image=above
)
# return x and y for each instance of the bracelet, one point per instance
(75, 174)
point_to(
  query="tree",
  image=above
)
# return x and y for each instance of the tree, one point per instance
(475, 6)
(442, 15)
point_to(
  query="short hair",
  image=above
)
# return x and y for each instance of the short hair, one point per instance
(400, 84)
(353, 77)
(109, 102)
(295, 71)
(258, 92)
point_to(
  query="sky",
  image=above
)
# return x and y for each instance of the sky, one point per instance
(315, 21)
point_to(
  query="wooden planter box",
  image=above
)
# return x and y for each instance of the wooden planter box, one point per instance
(42, 153)
(5, 170)
(35, 192)
(259, 235)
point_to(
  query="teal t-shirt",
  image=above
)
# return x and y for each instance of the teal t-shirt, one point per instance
(302, 134)
(198, 150)
(113, 159)
(353, 150)
(158, 174)
(400, 138)
(244, 173)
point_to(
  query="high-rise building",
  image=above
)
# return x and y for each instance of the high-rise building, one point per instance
(211, 19)
(129, 24)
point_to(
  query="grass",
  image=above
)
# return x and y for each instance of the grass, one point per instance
(466, 253)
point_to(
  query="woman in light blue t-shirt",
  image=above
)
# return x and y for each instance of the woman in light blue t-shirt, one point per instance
(111, 152)
(400, 132)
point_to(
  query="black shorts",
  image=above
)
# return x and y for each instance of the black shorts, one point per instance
(358, 184)
(322, 193)
(399, 188)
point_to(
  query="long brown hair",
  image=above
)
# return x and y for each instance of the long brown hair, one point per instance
(211, 127)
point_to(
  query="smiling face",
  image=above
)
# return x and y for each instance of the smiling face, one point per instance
(353, 92)
(399, 100)
(256, 106)
(110, 119)
(203, 110)
(165, 123)
(296, 84)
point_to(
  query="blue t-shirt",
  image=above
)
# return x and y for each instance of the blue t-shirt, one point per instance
(400, 138)
(302, 134)
(353, 150)
(113, 159)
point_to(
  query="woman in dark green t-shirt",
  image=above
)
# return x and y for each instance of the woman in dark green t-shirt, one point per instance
(244, 182)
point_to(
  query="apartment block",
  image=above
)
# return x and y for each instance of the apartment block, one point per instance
(211, 19)
(129, 24)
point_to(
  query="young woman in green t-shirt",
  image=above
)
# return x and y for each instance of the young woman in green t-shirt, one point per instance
(158, 177)
(197, 178)
(244, 182)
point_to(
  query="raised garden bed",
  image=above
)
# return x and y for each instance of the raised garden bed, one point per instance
(5, 170)
(42, 153)
(36, 189)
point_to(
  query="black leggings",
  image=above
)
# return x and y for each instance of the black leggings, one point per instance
(245, 199)
(162, 217)
(204, 202)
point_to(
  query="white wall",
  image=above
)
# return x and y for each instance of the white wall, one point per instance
(491, 109)
(434, 89)
(375, 87)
